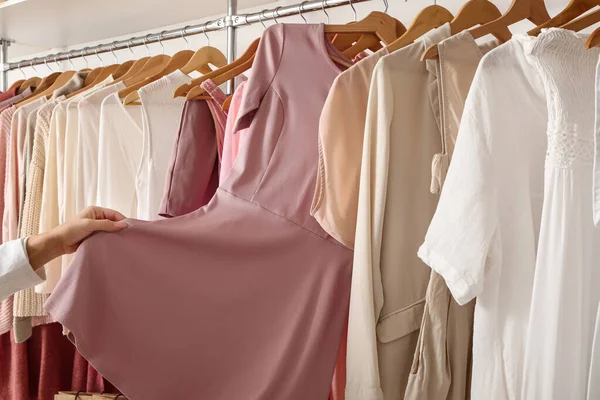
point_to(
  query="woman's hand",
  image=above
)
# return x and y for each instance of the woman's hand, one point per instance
(66, 238)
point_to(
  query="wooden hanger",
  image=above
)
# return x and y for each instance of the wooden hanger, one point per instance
(248, 56)
(583, 22)
(153, 66)
(533, 10)
(29, 83)
(474, 12)
(574, 9)
(178, 61)
(133, 70)
(373, 41)
(17, 84)
(593, 40)
(60, 81)
(390, 28)
(429, 18)
(202, 59)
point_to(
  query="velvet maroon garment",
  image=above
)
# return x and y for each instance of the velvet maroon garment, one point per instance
(38, 368)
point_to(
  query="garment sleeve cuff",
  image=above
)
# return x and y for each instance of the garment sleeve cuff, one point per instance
(364, 394)
(461, 289)
(20, 275)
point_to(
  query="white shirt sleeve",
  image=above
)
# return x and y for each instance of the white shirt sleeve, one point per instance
(462, 242)
(15, 271)
(366, 298)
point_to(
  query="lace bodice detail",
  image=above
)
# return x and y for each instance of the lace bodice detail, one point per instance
(567, 70)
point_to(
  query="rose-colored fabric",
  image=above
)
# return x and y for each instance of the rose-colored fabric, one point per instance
(8, 94)
(215, 104)
(232, 140)
(192, 178)
(258, 289)
(45, 364)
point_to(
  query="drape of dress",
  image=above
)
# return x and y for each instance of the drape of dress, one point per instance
(567, 275)
(260, 290)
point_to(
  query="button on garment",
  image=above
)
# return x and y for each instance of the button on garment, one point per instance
(388, 279)
(483, 236)
(567, 274)
(266, 286)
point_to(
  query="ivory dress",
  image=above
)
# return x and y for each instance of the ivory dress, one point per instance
(566, 288)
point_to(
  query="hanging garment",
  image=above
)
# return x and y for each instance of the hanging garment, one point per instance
(119, 153)
(231, 139)
(401, 137)
(13, 100)
(161, 117)
(43, 365)
(6, 306)
(335, 202)
(215, 104)
(28, 303)
(9, 94)
(15, 167)
(192, 179)
(483, 236)
(567, 278)
(89, 108)
(593, 391)
(442, 363)
(253, 261)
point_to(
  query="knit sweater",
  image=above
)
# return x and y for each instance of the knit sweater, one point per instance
(28, 303)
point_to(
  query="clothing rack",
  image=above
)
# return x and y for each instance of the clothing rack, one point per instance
(230, 22)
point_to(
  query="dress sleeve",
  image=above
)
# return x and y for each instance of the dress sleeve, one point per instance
(264, 68)
(366, 298)
(15, 272)
(462, 242)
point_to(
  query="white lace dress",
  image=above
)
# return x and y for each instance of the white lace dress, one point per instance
(566, 288)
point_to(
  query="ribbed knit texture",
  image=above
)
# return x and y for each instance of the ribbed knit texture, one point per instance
(6, 306)
(28, 303)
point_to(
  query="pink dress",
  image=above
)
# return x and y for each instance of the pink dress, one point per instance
(245, 298)
(232, 140)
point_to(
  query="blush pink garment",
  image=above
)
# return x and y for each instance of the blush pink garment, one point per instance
(216, 108)
(192, 178)
(232, 140)
(259, 289)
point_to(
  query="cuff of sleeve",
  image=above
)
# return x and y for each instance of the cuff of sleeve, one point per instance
(21, 275)
(461, 289)
(364, 394)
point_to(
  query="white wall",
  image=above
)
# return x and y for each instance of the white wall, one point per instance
(402, 10)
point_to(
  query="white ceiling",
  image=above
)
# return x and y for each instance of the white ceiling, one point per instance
(40, 25)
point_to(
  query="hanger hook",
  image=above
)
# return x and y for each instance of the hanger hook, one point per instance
(204, 27)
(83, 54)
(69, 59)
(99, 58)
(56, 62)
(386, 5)
(301, 9)
(323, 4)
(183, 33)
(32, 66)
(353, 10)
(46, 64)
(112, 50)
(21, 69)
(146, 44)
(276, 14)
(160, 38)
(129, 48)
(260, 17)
